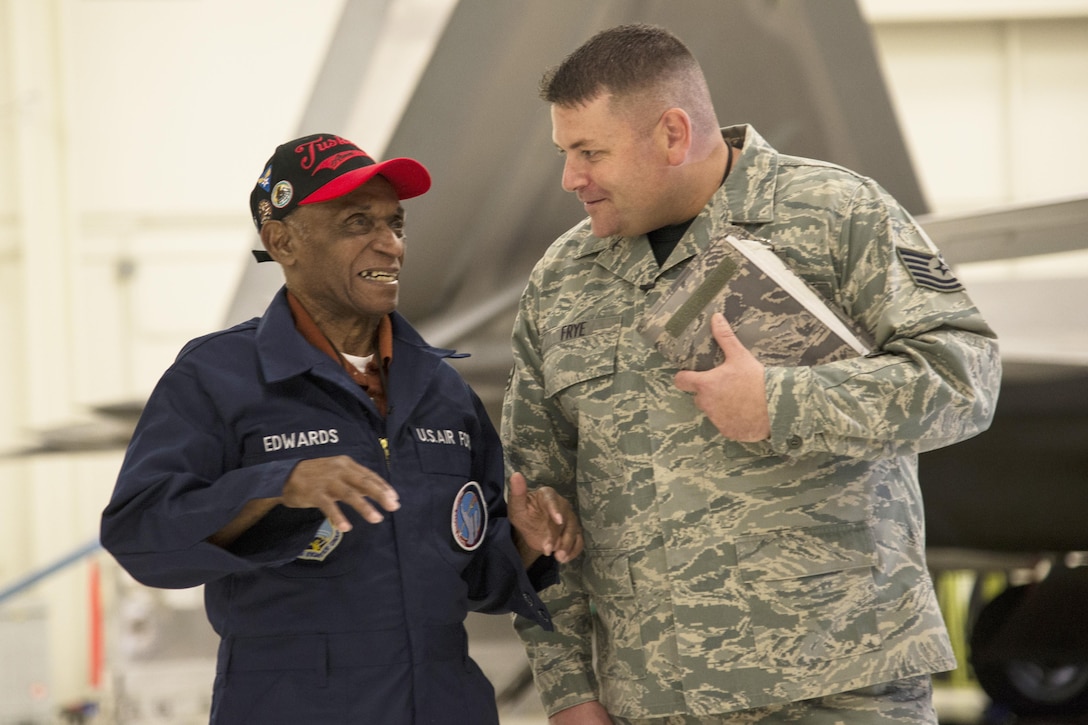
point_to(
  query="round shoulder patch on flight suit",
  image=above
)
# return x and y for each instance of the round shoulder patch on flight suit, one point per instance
(469, 517)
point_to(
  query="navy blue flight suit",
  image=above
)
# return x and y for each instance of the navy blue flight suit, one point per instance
(318, 626)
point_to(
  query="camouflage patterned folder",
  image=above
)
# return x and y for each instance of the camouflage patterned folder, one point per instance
(774, 312)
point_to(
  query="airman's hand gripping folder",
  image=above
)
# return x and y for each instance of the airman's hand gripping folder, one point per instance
(774, 312)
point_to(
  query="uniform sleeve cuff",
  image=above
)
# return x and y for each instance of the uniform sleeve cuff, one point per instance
(543, 572)
(790, 432)
(561, 688)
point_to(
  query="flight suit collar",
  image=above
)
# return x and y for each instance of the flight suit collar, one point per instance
(282, 351)
(284, 354)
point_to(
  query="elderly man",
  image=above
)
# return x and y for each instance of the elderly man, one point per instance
(330, 479)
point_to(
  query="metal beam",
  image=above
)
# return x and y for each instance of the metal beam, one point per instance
(1024, 230)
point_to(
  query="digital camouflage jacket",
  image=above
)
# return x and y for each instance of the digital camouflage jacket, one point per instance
(718, 575)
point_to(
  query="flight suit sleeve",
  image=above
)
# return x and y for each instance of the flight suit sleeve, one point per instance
(498, 580)
(933, 378)
(174, 491)
(541, 444)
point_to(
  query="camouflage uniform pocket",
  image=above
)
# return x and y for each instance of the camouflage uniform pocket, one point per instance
(811, 592)
(617, 621)
(591, 354)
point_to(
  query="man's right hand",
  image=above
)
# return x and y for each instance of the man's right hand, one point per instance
(587, 713)
(324, 482)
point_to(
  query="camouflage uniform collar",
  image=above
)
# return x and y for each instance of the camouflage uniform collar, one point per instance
(747, 196)
(709, 225)
(590, 244)
(625, 257)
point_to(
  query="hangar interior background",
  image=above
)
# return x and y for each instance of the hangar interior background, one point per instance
(131, 132)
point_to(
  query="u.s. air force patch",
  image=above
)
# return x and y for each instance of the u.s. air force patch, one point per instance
(326, 539)
(469, 517)
(929, 270)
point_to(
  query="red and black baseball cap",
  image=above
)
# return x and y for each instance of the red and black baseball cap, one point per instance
(321, 167)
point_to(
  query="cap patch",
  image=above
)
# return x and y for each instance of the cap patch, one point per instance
(929, 270)
(264, 212)
(282, 193)
(265, 182)
(469, 517)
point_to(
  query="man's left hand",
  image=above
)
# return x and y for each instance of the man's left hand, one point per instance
(733, 395)
(544, 522)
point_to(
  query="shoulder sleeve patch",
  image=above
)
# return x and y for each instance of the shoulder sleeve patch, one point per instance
(929, 270)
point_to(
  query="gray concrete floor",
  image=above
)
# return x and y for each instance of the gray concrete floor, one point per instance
(495, 647)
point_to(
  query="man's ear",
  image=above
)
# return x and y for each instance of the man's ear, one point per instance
(676, 128)
(277, 241)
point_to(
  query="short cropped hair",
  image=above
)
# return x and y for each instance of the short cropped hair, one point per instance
(633, 63)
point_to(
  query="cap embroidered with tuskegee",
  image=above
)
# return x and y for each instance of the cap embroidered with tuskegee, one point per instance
(321, 167)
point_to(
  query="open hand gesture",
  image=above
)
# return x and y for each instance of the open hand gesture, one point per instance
(544, 522)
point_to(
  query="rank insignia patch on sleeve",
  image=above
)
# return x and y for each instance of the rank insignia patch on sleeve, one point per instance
(929, 270)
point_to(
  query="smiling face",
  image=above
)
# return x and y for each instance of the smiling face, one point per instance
(616, 170)
(342, 258)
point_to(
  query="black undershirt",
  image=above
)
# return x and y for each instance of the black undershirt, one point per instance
(664, 240)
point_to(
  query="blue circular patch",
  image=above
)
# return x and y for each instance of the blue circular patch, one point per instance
(469, 519)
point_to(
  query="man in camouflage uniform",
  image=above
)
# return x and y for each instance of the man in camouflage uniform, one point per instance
(754, 534)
